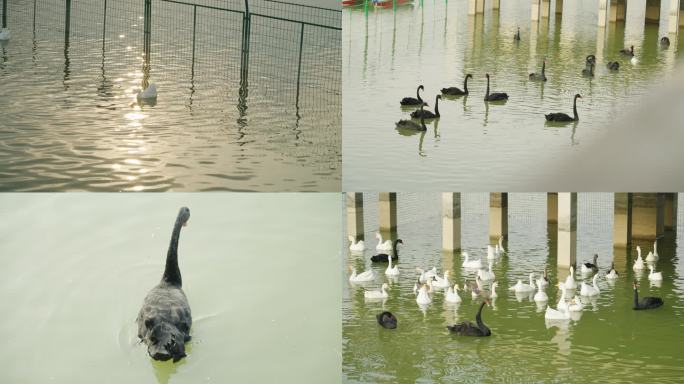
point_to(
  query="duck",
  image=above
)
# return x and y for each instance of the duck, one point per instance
(543, 281)
(392, 271)
(356, 246)
(570, 282)
(575, 305)
(494, 295)
(467, 263)
(423, 297)
(5, 34)
(639, 262)
(149, 93)
(628, 52)
(383, 257)
(540, 296)
(613, 65)
(411, 101)
(452, 295)
(407, 124)
(562, 304)
(495, 96)
(424, 276)
(646, 302)
(467, 328)
(424, 114)
(441, 282)
(381, 294)
(590, 290)
(521, 287)
(561, 313)
(368, 275)
(486, 275)
(654, 276)
(652, 257)
(387, 320)
(562, 117)
(455, 91)
(539, 76)
(612, 274)
(382, 245)
(588, 268)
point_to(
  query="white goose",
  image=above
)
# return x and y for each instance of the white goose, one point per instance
(356, 246)
(562, 312)
(499, 247)
(540, 296)
(467, 263)
(639, 262)
(491, 253)
(148, 93)
(423, 297)
(562, 304)
(653, 256)
(575, 305)
(590, 290)
(486, 275)
(543, 281)
(425, 276)
(382, 245)
(613, 273)
(521, 287)
(452, 295)
(391, 271)
(381, 294)
(494, 295)
(5, 34)
(475, 292)
(368, 275)
(570, 282)
(441, 282)
(654, 276)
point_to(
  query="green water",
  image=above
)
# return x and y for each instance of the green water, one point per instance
(608, 343)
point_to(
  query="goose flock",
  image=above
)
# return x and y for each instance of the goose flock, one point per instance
(574, 293)
(452, 92)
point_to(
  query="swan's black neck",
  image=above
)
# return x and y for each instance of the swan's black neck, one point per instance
(543, 68)
(478, 317)
(487, 93)
(418, 94)
(465, 85)
(172, 273)
(574, 111)
(437, 106)
(636, 298)
(395, 252)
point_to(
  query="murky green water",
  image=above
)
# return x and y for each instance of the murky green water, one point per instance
(609, 343)
(256, 271)
(387, 54)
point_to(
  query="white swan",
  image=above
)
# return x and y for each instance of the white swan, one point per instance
(382, 246)
(653, 256)
(381, 294)
(540, 296)
(521, 287)
(356, 246)
(368, 275)
(391, 271)
(562, 304)
(467, 263)
(149, 93)
(639, 262)
(654, 276)
(500, 249)
(655, 249)
(452, 295)
(613, 273)
(5, 34)
(590, 290)
(441, 282)
(570, 282)
(423, 297)
(562, 312)
(575, 305)
(486, 275)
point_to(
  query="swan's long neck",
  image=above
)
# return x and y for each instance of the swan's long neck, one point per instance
(172, 274)
(418, 94)
(437, 105)
(395, 252)
(636, 297)
(465, 85)
(574, 109)
(562, 298)
(487, 93)
(543, 67)
(478, 317)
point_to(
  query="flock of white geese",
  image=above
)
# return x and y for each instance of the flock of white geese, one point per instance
(431, 282)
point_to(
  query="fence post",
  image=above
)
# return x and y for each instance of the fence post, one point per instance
(246, 26)
(194, 27)
(4, 13)
(147, 29)
(104, 25)
(67, 20)
(299, 66)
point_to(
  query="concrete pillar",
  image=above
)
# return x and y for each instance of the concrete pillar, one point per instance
(498, 216)
(618, 10)
(552, 207)
(652, 11)
(559, 7)
(675, 16)
(567, 229)
(648, 215)
(355, 215)
(475, 6)
(602, 12)
(534, 10)
(670, 217)
(451, 221)
(545, 9)
(388, 211)
(622, 220)
(496, 4)
(480, 6)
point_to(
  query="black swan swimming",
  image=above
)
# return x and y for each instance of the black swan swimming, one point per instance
(562, 116)
(495, 96)
(424, 114)
(591, 59)
(539, 76)
(664, 41)
(387, 320)
(384, 258)
(646, 302)
(588, 71)
(592, 266)
(628, 52)
(613, 65)
(412, 101)
(411, 125)
(516, 37)
(467, 328)
(455, 91)
(164, 320)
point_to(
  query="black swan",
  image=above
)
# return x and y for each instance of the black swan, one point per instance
(164, 320)
(387, 320)
(454, 91)
(383, 257)
(591, 59)
(562, 116)
(467, 328)
(613, 65)
(539, 76)
(665, 41)
(591, 266)
(411, 125)
(411, 100)
(495, 95)
(516, 37)
(646, 302)
(628, 52)
(588, 71)
(423, 114)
